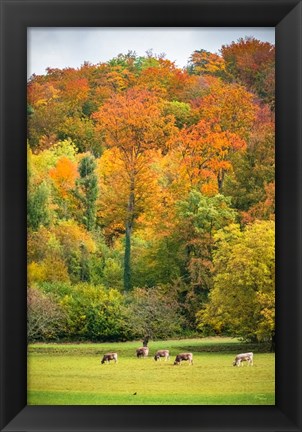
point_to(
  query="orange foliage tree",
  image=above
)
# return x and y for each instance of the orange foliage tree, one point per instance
(205, 152)
(133, 123)
(230, 106)
(64, 175)
(252, 63)
(205, 62)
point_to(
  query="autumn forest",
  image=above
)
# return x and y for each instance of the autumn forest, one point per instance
(151, 197)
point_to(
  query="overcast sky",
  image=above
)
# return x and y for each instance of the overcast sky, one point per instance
(71, 47)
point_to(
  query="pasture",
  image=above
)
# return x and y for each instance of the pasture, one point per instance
(71, 374)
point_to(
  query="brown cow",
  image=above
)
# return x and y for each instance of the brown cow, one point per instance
(162, 353)
(108, 357)
(142, 352)
(184, 356)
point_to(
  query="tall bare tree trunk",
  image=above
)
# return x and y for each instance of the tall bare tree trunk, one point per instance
(220, 180)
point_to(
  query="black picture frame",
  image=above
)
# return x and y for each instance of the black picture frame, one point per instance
(16, 16)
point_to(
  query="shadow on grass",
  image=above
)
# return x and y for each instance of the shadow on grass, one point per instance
(225, 348)
(184, 346)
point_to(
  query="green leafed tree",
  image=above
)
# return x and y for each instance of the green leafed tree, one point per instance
(38, 206)
(87, 190)
(200, 217)
(242, 301)
(95, 313)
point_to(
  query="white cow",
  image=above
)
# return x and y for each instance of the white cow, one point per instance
(240, 358)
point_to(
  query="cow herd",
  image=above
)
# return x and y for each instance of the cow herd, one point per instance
(144, 352)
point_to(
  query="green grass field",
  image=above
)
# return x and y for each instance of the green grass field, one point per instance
(71, 374)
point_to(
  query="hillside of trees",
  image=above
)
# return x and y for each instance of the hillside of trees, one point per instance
(151, 197)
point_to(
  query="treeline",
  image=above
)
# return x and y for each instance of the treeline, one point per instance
(151, 197)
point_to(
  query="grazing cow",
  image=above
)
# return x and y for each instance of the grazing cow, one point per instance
(240, 358)
(162, 353)
(109, 356)
(142, 352)
(184, 356)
